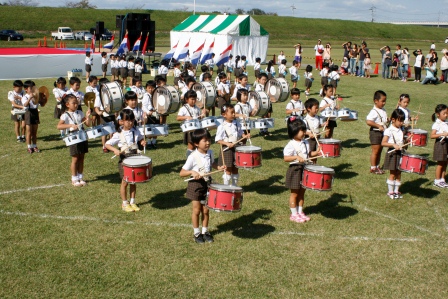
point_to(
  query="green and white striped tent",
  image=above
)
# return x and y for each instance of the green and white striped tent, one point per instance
(247, 36)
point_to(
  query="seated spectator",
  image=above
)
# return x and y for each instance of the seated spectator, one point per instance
(430, 71)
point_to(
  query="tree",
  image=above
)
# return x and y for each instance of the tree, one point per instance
(31, 3)
(239, 11)
(81, 4)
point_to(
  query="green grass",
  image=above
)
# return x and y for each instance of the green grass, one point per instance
(64, 242)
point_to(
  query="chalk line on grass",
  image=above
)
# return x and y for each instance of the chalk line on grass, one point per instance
(31, 189)
(445, 226)
(4, 156)
(170, 224)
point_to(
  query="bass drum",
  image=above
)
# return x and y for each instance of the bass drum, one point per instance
(277, 89)
(111, 97)
(259, 101)
(206, 94)
(165, 100)
(221, 101)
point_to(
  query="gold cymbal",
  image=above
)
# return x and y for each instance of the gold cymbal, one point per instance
(43, 95)
(89, 99)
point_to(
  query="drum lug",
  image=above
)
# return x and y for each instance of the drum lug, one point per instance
(214, 200)
(233, 200)
(133, 175)
(322, 183)
(253, 160)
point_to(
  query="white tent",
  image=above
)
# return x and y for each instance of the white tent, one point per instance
(247, 36)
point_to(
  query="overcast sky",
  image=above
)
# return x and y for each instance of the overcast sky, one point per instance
(359, 10)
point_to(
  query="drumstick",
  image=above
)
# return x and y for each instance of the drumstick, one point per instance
(418, 112)
(309, 159)
(244, 121)
(122, 150)
(234, 143)
(144, 134)
(400, 147)
(205, 174)
(315, 137)
(222, 155)
(318, 133)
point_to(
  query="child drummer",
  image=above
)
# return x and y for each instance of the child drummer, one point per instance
(15, 97)
(198, 165)
(242, 109)
(377, 119)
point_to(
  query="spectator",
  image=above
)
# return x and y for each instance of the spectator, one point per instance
(398, 51)
(419, 63)
(405, 64)
(444, 67)
(362, 55)
(298, 54)
(347, 47)
(429, 56)
(431, 70)
(280, 57)
(353, 54)
(386, 61)
(446, 40)
(433, 46)
(344, 66)
(319, 49)
(327, 52)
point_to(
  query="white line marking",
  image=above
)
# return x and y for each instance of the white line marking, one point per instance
(130, 222)
(398, 220)
(4, 156)
(31, 189)
(445, 226)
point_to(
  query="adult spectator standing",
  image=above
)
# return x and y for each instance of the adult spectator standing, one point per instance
(405, 64)
(347, 47)
(429, 56)
(386, 60)
(444, 67)
(419, 63)
(319, 49)
(433, 46)
(353, 54)
(298, 54)
(362, 55)
(280, 57)
(327, 53)
(398, 51)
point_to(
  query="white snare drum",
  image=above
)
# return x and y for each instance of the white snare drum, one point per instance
(264, 123)
(343, 113)
(277, 89)
(259, 102)
(245, 124)
(206, 94)
(219, 120)
(95, 132)
(16, 111)
(190, 125)
(165, 100)
(209, 123)
(353, 116)
(145, 130)
(109, 128)
(111, 97)
(329, 113)
(158, 130)
(75, 137)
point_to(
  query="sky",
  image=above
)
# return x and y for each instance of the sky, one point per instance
(358, 10)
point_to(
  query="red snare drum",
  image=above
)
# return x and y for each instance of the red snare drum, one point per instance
(248, 156)
(137, 169)
(413, 164)
(317, 177)
(419, 138)
(225, 198)
(331, 147)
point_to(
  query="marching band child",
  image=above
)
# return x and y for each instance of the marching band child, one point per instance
(328, 102)
(377, 119)
(189, 82)
(104, 118)
(439, 132)
(104, 63)
(227, 134)
(72, 120)
(129, 140)
(367, 65)
(293, 72)
(93, 87)
(114, 67)
(162, 70)
(190, 111)
(312, 122)
(230, 65)
(295, 106)
(59, 91)
(259, 86)
(270, 69)
(308, 79)
(204, 70)
(31, 116)
(177, 74)
(123, 66)
(131, 68)
(393, 139)
(15, 97)
(242, 109)
(334, 77)
(261, 82)
(257, 66)
(89, 62)
(138, 89)
(297, 150)
(198, 164)
(149, 112)
(210, 63)
(242, 84)
(282, 69)
(223, 90)
(324, 72)
(131, 102)
(75, 85)
(139, 68)
(403, 103)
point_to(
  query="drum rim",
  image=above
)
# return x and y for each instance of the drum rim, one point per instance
(149, 162)
(415, 156)
(414, 130)
(335, 141)
(314, 189)
(309, 167)
(239, 190)
(166, 87)
(242, 150)
(408, 171)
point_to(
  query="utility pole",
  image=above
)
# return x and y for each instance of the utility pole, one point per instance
(372, 9)
(293, 8)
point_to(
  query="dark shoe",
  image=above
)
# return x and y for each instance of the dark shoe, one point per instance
(199, 239)
(207, 237)
(22, 139)
(19, 139)
(154, 146)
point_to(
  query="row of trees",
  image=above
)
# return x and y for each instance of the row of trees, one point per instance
(31, 3)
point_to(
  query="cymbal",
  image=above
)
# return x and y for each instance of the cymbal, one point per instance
(43, 95)
(89, 99)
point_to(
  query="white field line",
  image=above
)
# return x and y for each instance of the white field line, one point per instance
(420, 228)
(169, 224)
(445, 226)
(4, 156)
(31, 189)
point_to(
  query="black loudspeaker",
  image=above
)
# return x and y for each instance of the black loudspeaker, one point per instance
(136, 24)
(118, 21)
(99, 27)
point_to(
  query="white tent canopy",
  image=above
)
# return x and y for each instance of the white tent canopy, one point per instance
(247, 36)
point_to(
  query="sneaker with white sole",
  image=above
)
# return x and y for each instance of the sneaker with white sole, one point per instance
(296, 218)
(398, 195)
(135, 207)
(439, 184)
(76, 184)
(127, 208)
(391, 195)
(303, 216)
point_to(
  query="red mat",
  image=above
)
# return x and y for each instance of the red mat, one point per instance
(38, 51)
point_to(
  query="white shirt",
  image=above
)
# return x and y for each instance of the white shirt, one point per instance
(131, 137)
(334, 75)
(78, 94)
(259, 87)
(280, 58)
(187, 110)
(271, 70)
(299, 51)
(72, 118)
(113, 64)
(282, 69)
(395, 135)
(440, 126)
(378, 116)
(223, 87)
(239, 86)
(318, 47)
(138, 113)
(88, 60)
(31, 104)
(312, 123)
(181, 84)
(297, 148)
(256, 66)
(177, 72)
(229, 132)
(293, 71)
(191, 73)
(139, 91)
(407, 116)
(103, 60)
(131, 65)
(210, 62)
(123, 63)
(326, 101)
(295, 105)
(13, 94)
(324, 72)
(308, 75)
(206, 161)
(147, 103)
(244, 109)
(138, 68)
(163, 70)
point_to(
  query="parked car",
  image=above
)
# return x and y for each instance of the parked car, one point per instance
(10, 35)
(83, 35)
(63, 33)
(107, 35)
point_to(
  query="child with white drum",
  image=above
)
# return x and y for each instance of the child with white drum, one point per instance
(242, 84)
(148, 109)
(295, 106)
(328, 102)
(59, 91)
(75, 85)
(131, 103)
(104, 119)
(297, 150)
(229, 135)
(15, 97)
(32, 121)
(293, 71)
(198, 164)
(129, 141)
(72, 120)
(243, 110)
(223, 90)
(439, 132)
(93, 87)
(259, 86)
(257, 66)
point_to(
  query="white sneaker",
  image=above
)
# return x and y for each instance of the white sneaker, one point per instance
(440, 184)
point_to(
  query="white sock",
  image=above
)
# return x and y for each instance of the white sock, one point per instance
(226, 178)
(372, 167)
(390, 185)
(397, 185)
(204, 230)
(74, 178)
(80, 176)
(125, 203)
(132, 200)
(189, 152)
(437, 181)
(235, 178)
(196, 231)
(293, 211)
(18, 137)
(299, 209)
(442, 179)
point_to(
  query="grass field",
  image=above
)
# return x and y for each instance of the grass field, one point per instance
(64, 242)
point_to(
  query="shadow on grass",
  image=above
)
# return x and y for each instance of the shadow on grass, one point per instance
(273, 153)
(353, 143)
(113, 178)
(330, 208)
(54, 137)
(267, 186)
(244, 226)
(277, 135)
(417, 187)
(168, 200)
(340, 171)
(167, 168)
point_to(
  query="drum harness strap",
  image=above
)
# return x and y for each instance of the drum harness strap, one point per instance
(309, 128)
(201, 165)
(74, 119)
(381, 123)
(128, 149)
(230, 137)
(189, 111)
(297, 148)
(294, 107)
(243, 110)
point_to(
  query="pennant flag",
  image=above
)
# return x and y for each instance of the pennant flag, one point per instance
(136, 46)
(145, 45)
(124, 48)
(197, 54)
(207, 53)
(110, 44)
(224, 56)
(182, 52)
(170, 54)
(92, 45)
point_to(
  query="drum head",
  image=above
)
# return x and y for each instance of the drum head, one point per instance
(226, 188)
(165, 100)
(248, 149)
(201, 91)
(418, 131)
(137, 161)
(111, 97)
(274, 90)
(329, 141)
(319, 169)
